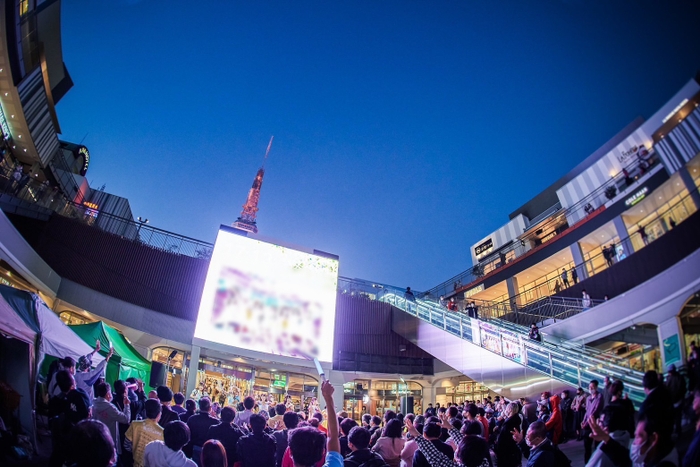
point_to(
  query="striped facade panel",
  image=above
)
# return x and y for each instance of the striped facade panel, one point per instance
(681, 144)
(35, 105)
(503, 235)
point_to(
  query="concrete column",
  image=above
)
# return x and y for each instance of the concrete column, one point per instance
(690, 185)
(671, 343)
(512, 285)
(577, 254)
(192, 369)
(621, 230)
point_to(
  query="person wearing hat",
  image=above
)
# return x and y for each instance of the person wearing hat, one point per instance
(84, 377)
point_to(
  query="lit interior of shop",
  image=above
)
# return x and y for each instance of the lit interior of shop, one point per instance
(543, 279)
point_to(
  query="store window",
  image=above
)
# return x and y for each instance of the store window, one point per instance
(71, 318)
(463, 391)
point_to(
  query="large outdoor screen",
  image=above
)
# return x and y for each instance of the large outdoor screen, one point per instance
(268, 298)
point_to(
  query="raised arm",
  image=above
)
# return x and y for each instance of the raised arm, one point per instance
(333, 440)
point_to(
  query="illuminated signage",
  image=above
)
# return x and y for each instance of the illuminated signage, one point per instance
(548, 236)
(485, 247)
(474, 291)
(637, 197)
(671, 113)
(4, 125)
(83, 151)
(92, 209)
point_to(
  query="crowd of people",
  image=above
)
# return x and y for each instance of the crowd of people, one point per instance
(96, 424)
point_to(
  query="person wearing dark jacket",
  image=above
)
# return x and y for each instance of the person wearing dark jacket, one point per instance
(228, 434)
(537, 448)
(346, 425)
(257, 449)
(291, 421)
(431, 432)
(167, 415)
(190, 409)
(692, 455)
(199, 428)
(506, 448)
(657, 405)
(358, 442)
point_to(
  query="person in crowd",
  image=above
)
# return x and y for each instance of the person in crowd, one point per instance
(481, 418)
(626, 406)
(214, 454)
(388, 415)
(391, 443)
(66, 410)
(291, 421)
(408, 295)
(137, 397)
(692, 455)
(579, 408)
(585, 300)
(227, 433)
(165, 396)
(643, 234)
(473, 450)
(574, 275)
(178, 399)
(106, 412)
(613, 420)
(606, 392)
(557, 287)
(608, 255)
(555, 424)
(535, 333)
(564, 277)
(544, 415)
(430, 411)
(537, 448)
(675, 383)
(431, 432)
(346, 424)
(84, 377)
(360, 455)
(142, 432)
(243, 417)
(507, 452)
(366, 420)
(168, 453)
(528, 410)
(470, 414)
(567, 416)
(594, 407)
(91, 445)
(276, 422)
(199, 428)
(652, 445)
(411, 446)
(307, 445)
(375, 425)
(190, 409)
(257, 449)
(657, 405)
(153, 395)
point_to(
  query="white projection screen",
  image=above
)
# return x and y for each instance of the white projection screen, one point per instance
(269, 298)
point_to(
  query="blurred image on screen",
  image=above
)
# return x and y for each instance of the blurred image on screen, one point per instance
(269, 298)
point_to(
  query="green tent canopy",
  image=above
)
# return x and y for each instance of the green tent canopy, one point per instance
(126, 361)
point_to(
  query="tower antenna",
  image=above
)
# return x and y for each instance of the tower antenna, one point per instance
(247, 220)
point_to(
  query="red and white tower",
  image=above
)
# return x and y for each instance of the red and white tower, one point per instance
(247, 220)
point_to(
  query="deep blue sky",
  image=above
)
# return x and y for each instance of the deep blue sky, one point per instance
(404, 130)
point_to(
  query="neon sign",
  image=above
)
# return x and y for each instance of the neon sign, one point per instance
(4, 125)
(86, 159)
(637, 197)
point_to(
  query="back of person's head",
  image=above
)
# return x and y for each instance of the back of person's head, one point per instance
(457, 423)
(227, 415)
(472, 451)
(313, 422)
(204, 404)
(442, 410)
(318, 416)
(614, 418)
(392, 429)
(389, 415)
(359, 437)
(179, 398)
(249, 403)
(165, 394)
(306, 444)
(152, 408)
(472, 410)
(64, 380)
(214, 454)
(617, 387)
(366, 418)
(471, 427)
(411, 417)
(176, 434)
(120, 387)
(91, 445)
(102, 389)
(190, 405)
(452, 411)
(280, 409)
(433, 419)
(291, 420)
(431, 430)
(257, 423)
(650, 380)
(67, 362)
(346, 425)
(376, 421)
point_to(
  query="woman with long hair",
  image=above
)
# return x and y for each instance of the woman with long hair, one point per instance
(213, 454)
(391, 443)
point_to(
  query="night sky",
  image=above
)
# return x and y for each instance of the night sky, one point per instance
(404, 130)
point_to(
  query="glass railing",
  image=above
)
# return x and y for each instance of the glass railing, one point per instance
(570, 216)
(575, 366)
(42, 195)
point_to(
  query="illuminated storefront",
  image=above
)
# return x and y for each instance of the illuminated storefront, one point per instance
(463, 390)
(377, 396)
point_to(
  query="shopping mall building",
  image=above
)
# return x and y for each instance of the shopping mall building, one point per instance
(625, 219)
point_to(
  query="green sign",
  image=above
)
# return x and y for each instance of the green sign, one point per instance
(279, 384)
(672, 349)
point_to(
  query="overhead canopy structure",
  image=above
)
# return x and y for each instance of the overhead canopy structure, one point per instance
(126, 361)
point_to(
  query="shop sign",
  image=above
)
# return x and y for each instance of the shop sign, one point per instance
(673, 112)
(83, 151)
(548, 236)
(485, 247)
(474, 291)
(91, 209)
(637, 197)
(4, 125)
(279, 384)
